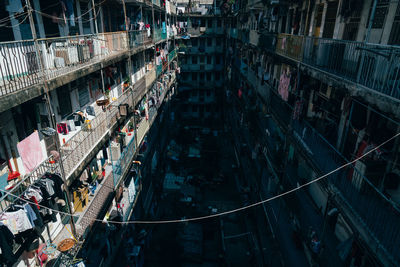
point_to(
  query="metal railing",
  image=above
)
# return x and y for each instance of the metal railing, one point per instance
(19, 66)
(65, 54)
(20, 62)
(379, 214)
(374, 66)
(138, 38)
(290, 46)
(123, 163)
(157, 35)
(171, 55)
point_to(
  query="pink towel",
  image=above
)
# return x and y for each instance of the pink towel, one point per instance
(30, 151)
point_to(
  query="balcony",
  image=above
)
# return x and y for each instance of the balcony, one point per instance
(290, 46)
(20, 67)
(171, 55)
(138, 38)
(159, 35)
(83, 144)
(373, 66)
(358, 195)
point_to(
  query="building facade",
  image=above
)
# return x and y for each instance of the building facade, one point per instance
(321, 77)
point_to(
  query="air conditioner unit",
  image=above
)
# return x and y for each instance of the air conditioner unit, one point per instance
(203, 29)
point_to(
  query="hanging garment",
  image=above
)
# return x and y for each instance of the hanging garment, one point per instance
(6, 245)
(30, 151)
(33, 192)
(90, 111)
(31, 214)
(16, 221)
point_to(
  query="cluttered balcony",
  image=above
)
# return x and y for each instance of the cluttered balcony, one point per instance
(357, 188)
(20, 61)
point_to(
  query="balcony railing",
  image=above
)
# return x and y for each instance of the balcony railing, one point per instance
(138, 38)
(379, 214)
(374, 66)
(159, 35)
(20, 63)
(19, 66)
(122, 164)
(171, 55)
(290, 46)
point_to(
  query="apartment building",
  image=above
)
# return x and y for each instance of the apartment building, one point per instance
(201, 55)
(323, 77)
(77, 102)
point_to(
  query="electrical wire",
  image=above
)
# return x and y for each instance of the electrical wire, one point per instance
(220, 213)
(17, 25)
(74, 19)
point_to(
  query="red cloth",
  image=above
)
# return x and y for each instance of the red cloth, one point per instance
(34, 200)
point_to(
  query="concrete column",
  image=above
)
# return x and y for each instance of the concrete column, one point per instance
(15, 6)
(79, 14)
(310, 30)
(387, 27)
(91, 18)
(39, 20)
(339, 24)
(364, 20)
(323, 19)
(101, 20)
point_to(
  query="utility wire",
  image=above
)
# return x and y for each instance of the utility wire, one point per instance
(17, 25)
(220, 213)
(75, 18)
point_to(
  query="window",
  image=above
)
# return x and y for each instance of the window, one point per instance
(194, 76)
(202, 23)
(218, 60)
(194, 59)
(185, 108)
(210, 23)
(219, 23)
(194, 108)
(194, 42)
(217, 76)
(202, 76)
(202, 42)
(64, 100)
(202, 59)
(208, 76)
(209, 41)
(209, 60)
(208, 93)
(219, 41)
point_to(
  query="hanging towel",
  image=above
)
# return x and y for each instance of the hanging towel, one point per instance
(30, 151)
